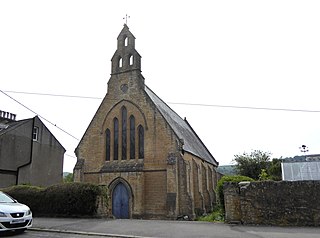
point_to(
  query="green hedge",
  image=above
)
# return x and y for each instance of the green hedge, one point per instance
(219, 189)
(29, 195)
(68, 199)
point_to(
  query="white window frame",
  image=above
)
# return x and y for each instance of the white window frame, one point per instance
(35, 133)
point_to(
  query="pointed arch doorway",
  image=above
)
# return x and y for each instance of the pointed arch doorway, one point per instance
(120, 201)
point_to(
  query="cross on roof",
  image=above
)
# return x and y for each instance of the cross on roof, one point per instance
(126, 18)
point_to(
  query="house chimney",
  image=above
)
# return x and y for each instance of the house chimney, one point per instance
(7, 116)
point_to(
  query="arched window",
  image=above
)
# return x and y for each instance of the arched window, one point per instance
(116, 139)
(126, 41)
(131, 60)
(124, 133)
(141, 141)
(132, 137)
(108, 145)
(120, 62)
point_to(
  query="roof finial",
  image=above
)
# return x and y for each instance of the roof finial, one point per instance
(126, 18)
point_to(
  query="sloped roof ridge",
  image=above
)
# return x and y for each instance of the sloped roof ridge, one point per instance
(164, 102)
(183, 130)
(39, 118)
(200, 140)
(125, 30)
(13, 125)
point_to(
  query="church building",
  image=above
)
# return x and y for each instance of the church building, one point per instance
(151, 160)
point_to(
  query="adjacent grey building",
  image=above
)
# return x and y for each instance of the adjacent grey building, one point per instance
(29, 153)
(301, 168)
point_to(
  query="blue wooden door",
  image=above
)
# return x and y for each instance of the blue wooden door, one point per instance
(120, 201)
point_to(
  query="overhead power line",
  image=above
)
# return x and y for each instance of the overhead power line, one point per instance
(39, 115)
(72, 156)
(245, 107)
(178, 103)
(53, 95)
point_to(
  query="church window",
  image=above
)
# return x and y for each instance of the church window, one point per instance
(131, 59)
(126, 40)
(116, 139)
(124, 133)
(107, 144)
(141, 142)
(120, 62)
(132, 137)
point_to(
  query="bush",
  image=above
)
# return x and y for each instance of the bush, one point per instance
(69, 199)
(219, 189)
(217, 215)
(29, 195)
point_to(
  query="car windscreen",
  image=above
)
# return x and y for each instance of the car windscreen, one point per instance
(5, 199)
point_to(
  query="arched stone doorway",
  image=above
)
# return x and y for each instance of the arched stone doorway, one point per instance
(121, 196)
(120, 201)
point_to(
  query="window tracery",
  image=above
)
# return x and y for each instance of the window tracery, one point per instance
(118, 137)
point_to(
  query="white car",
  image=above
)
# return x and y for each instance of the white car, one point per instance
(13, 215)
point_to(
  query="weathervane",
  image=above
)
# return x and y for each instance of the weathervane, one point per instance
(304, 149)
(126, 18)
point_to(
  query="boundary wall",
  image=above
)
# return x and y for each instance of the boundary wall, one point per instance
(280, 203)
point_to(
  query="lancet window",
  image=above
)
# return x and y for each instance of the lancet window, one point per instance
(126, 137)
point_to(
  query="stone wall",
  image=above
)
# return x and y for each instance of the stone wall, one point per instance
(283, 203)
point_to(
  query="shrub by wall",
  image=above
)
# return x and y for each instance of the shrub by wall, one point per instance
(67, 200)
(233, 178)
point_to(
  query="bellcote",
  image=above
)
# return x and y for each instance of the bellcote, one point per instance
(126, 58)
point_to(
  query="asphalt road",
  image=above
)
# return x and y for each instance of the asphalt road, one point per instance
(42, 234)
(177, 229)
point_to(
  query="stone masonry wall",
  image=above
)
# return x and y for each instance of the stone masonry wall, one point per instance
(283, 203)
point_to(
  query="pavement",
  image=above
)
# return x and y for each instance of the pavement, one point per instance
(132, 228)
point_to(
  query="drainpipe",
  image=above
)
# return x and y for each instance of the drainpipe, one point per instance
(31, 153)
(7, 171)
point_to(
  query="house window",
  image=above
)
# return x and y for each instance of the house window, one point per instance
(132, 137)
(126, 40)
(116, 138)
(35, 133)
(141, 141)
(124, 133)
(108, 145)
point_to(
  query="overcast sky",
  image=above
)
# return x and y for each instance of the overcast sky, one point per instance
(255, 54)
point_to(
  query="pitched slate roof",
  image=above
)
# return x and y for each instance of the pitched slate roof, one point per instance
(192, 143)
(12, 125)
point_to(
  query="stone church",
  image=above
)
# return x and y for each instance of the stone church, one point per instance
(153, 162)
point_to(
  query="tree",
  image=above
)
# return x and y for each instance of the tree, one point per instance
(68, 178)
(274, 169)
(250, 165)
(264, 175)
